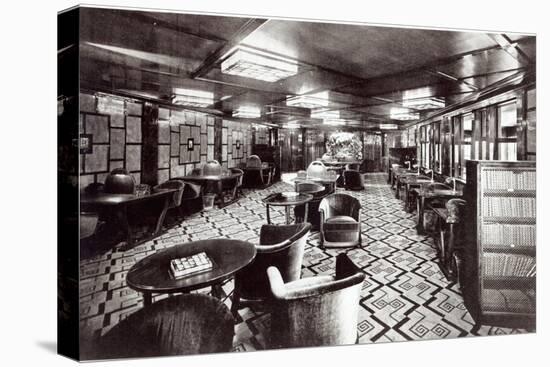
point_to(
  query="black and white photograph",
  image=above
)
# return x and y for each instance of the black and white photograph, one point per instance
(236, 183)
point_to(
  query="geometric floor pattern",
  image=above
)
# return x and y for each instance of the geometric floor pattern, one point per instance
(404, 296)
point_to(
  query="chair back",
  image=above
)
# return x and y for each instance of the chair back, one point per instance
(316, 311)
(172, 184)
(185, 324)
(317, 169)
(301, 174)
(353, 180)
(340, 204)
(253, 162)
(455, 210)
(212, 168)
(353, 166)
(281, 246)
(240, 178)
(119, 181)
(363, 168)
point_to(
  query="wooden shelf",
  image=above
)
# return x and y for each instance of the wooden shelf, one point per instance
(528, 250)
(510, 220)
(510, 192)
(508, 282)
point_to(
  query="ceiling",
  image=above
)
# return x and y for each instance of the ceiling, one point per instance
(367, 70)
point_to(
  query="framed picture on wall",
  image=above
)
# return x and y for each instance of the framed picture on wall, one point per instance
(238, 144)
(86, 143)
(190, 144)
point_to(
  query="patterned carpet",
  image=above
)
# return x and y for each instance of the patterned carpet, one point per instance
(404, 297)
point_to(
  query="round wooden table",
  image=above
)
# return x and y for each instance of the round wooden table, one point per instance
(152, 274)
(279, 199)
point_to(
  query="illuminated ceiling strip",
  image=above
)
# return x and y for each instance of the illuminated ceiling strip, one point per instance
(191, 97)
(247, 112)
(250, 63)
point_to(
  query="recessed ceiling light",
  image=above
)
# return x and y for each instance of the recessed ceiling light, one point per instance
(250, 63)
(308, 100)
(247, 112)
(192, 97)
(403, 114)
(424, 103)
(325, 114)
(387, 127)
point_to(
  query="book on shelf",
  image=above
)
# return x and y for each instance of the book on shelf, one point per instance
(190, 265)
(498, 179)
(499, 234)
(509, 207)
(497, 264)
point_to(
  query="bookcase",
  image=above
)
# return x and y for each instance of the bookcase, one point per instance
(499, 258)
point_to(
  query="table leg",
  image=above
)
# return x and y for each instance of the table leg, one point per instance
(407, 206)
(217, 291)
(305, 212)
(420, 225)
(162, 215)
(267, 213)
(147, 299)
(126, 225)
(287, 214)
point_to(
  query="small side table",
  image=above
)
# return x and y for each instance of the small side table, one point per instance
(278, 199)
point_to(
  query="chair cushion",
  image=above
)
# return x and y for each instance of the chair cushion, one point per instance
(341, 219)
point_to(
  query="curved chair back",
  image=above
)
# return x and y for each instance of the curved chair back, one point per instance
(436, 186)
(316, 311)
(238, 171)
(353, 166)
(253, 162)
(212, 168)
(316, 169)
(186, 324)
(281, 246)
(339, 204)
(172, 184)
(119, 181)
(455, 210)
(353, 180)
(301, 174)
(94, 188)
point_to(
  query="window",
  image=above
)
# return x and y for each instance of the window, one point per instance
(507, 136)
(436, 132)
(467, 122)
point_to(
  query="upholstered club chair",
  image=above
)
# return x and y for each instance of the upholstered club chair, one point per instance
(212, 167)
(191, 200)
(236, 186)
(449, 244)
(340, 222)
(353, 180)
(316, 169)
(281, 246)
(175, 204)
(429, 219)
(313, 206)
(256, 174)
(316, 311)
(185, 324)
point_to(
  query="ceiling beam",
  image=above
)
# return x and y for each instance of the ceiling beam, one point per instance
(511, 48)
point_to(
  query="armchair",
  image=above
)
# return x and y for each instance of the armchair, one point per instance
(280, 245)
(316, 311)
(191, 200)
(353, 180)
(257, 173)
(340, 221)
(316, 169)
(178, 195)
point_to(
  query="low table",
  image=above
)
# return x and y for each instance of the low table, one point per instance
(278, 199)
(119, 205)
(217, 181)
(152, 274)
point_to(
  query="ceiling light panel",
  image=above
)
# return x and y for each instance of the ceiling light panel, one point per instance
(309, 100)
(247, 112)
(424, 103)
(403, 114)
(250, 63)
(192, 97)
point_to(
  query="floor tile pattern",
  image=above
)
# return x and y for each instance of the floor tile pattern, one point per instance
(404, 297)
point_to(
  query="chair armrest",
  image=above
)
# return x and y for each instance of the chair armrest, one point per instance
(264, 249)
